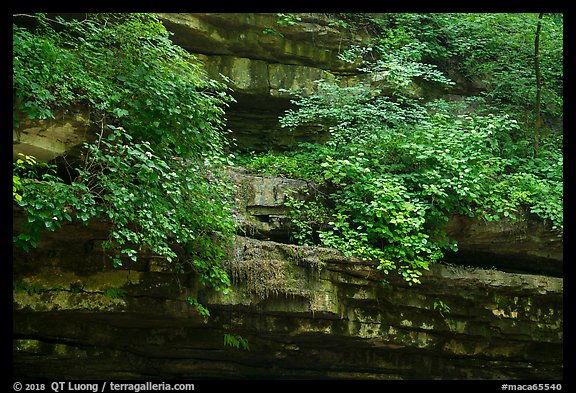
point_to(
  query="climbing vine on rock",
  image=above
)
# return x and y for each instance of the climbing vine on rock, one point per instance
(153, 169)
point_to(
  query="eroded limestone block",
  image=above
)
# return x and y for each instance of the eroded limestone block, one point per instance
(49, 138)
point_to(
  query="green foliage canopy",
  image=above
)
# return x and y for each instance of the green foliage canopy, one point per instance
(397, 166)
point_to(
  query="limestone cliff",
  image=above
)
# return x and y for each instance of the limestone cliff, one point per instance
(264, 64)
(306, 312)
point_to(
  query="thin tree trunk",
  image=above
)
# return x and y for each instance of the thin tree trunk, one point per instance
(538, 124)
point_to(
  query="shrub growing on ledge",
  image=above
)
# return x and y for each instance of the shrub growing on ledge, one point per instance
(393, 184)
(153, 170)
(396, 167)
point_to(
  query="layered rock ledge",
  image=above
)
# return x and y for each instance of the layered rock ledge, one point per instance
(306, 312)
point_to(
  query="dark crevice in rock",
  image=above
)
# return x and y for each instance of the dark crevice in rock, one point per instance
(510, 264)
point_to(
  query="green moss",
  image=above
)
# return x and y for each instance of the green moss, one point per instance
(93, 302)
(48, 280)
(21, 286)
(60, 349)
(27, 345)
(114, 293)
(57, 300)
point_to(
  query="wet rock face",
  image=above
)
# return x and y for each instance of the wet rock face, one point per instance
(306, 313)
(311, 41)
(526, 244)
(260, 204)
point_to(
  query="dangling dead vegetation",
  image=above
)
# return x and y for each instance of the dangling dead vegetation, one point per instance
(255, 267)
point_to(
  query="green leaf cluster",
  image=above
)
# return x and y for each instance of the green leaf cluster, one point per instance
(154, 168)
(441, 307)
(236, 341)
(492, 52)
(396, 166)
